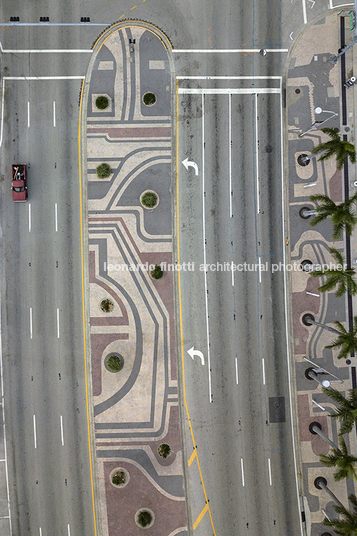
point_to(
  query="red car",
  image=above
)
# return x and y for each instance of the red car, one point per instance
(19, 187)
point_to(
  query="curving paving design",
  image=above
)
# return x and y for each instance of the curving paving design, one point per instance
(136, 409)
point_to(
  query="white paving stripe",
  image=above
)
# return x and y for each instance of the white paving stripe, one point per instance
(54, 113)
(28, 115)
(30, 223)
(225, 51)
(44, 77)
(30, 322)
(225, 91)
(269, 471)
(257, 160)
(242, 468)
(236, 360)
(34, 431)
(227, 77)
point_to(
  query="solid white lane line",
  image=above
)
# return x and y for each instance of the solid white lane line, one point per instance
(269, 471)
(56, 223)
(30, 322)
(242, 468)
(304, 11)
(40, 531)
(34, 431)
(220, 51)
(260, 270)
(68, 530)
(28, 115)
(263, 368)
(230, 154)
(204, 249)
(226, 91)
(309, 185)
(54, 113)
(236, 371)
(44, 77)
(232, 274)
(42, 51)
(256, 151)
(30, 218)
(2, 110)
(62, 438)
(227, 77)
(58, 332)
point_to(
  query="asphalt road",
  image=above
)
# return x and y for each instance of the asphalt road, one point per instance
(41, 289)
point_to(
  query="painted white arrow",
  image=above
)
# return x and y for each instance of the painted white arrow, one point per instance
(192, 352)
(188, 164)
(313, 3)
(291, 36)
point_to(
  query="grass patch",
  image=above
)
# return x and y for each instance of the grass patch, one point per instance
(103, 171)
(149, 199)
(149, 99)
(114, 363)
(144, 518)
(101, 102)
(119, 478)
(157, 273)
(164, 450)
(106, 305)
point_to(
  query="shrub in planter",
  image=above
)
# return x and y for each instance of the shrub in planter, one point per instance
(106, 305)
(157, 272)
(149, 199)
(114, 363)
(149, 99)
(101, 102)
(103, 171)
(164, 450)
(144, 518)
(119, 478)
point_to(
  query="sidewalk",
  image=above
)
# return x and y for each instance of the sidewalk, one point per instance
(136, 409)
(314, 82)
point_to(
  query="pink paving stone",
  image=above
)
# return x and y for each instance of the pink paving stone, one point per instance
(152, 132)
(335, 185)
(172, 438)
(302, 303)
(318, 445)
(122, 504)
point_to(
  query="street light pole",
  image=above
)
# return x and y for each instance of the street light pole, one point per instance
(333, 59)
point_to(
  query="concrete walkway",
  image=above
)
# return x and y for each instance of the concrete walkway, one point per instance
(313, 82)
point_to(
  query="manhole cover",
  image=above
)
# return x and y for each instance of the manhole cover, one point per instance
(297, 91)
(268, 149)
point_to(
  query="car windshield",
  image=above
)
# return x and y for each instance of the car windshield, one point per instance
(19, 189)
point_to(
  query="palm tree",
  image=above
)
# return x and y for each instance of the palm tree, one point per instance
(346, 340)
(346, 413)
(341, 459)
(335, 146)
(341, 278)
(343, 217)
(347, 524)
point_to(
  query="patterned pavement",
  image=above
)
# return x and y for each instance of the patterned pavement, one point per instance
(315, 82)
(135, 410)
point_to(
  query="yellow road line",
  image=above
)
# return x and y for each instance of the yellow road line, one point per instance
(198, 520)
(192, 457)
(83, 307)
(133, 8)
(180, 308)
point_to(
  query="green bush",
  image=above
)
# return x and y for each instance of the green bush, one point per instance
(106, 305)
(119, 478)
(164, 450)
(144, 518)
(101, 102)
(149, 199)
(114, 363)
(157, 273)
(149, 99)
(103, 171)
